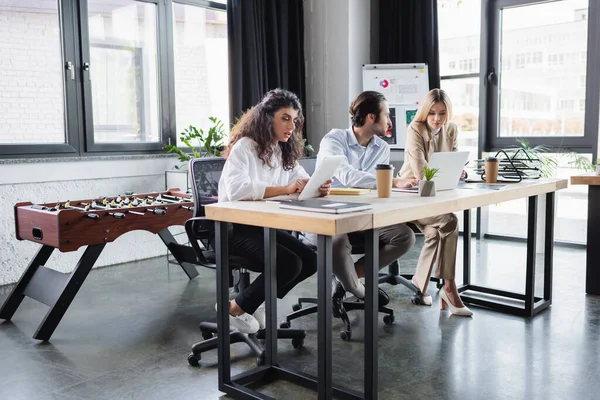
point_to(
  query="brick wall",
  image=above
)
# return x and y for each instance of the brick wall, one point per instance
(31, 85)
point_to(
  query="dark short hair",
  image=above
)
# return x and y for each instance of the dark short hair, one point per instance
(366, 103)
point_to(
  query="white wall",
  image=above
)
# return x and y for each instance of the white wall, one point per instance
(71, 180)
(337, 44)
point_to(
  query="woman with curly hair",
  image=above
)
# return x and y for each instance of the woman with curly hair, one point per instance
(262, 162)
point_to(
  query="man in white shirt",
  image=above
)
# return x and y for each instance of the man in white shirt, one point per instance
(364, 149)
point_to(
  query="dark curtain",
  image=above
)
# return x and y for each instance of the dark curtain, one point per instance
(266, 50)
(408, 33)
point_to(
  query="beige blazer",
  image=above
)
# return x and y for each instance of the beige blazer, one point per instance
(420, 146)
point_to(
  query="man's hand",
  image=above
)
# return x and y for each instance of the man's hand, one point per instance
(325, 188)
(404, 183)
(297, 186)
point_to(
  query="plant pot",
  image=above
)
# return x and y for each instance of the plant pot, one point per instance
(426, 188)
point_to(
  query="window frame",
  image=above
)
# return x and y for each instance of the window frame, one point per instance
(489, 94)
(78, 114)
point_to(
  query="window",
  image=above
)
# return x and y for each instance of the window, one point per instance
(92, 77)
(459, 35)
(528, 101)
(201, 70)
(32, 85)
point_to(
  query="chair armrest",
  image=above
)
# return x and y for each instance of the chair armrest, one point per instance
(189, 229)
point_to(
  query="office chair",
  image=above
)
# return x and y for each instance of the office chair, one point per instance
(206, 173)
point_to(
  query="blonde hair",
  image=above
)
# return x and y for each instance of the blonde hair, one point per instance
(434, 96)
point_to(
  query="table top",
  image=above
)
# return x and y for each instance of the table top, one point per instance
(400, 207)
(587, 179)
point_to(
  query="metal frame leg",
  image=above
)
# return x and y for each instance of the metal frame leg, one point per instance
(592, 272)
(371, 312)
(270, 248)
(467, 247)
(222, 255)
(532, 304)
(531, 251)
(324, 263)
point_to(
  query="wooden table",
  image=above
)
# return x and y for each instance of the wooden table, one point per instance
(592, 271)
(401, 207)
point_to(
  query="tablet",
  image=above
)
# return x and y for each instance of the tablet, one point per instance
(326, 168)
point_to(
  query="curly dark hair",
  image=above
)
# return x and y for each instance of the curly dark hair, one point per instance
(366, 103)
(257, 124)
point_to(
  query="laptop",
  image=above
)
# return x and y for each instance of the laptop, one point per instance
(450, 164)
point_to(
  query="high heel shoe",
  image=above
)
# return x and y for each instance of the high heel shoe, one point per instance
(420, 298)
(460, 311)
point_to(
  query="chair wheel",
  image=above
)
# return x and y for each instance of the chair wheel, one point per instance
(415, 300)
(297, 342)
(207, 335)
(285, 325)
(260, 360)
(194, 360)
(346, 335)
(389, 319)
(297, 307)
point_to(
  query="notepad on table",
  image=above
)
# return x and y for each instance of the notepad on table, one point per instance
(348, 191)
(324, 206)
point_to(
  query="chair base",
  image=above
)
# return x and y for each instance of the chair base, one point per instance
(349, 304)
(392, 277)
(209, 330)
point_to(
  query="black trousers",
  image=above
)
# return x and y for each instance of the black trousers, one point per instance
(295, 262)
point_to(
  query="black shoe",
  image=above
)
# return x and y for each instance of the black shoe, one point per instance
(382, 298)
(337, 298)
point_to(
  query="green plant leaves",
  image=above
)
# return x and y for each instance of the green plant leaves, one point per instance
(430, 172)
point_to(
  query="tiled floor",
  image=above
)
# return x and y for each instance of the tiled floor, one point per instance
(128, 333)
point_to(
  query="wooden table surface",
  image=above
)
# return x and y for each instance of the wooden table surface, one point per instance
(400, 207)
(588, 179)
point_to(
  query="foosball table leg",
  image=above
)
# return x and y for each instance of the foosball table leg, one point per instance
(15, 298)
(64, 291)
(184, 255)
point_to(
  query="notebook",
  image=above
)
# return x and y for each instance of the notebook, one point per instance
(324, 206)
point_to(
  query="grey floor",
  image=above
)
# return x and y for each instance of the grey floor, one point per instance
(128, 333)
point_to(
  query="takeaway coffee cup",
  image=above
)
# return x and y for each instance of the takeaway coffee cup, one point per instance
(384, 173)
(491, 170)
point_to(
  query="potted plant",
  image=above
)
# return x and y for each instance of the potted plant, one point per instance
(427, 185)
(200, 143)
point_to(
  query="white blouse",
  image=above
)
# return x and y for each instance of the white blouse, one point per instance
(245, 177)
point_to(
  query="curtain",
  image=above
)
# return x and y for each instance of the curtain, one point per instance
(408, 33)
(266, 50)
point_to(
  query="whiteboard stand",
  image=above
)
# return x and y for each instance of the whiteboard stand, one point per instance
(404, 86)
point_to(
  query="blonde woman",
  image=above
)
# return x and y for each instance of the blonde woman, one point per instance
(431, 131)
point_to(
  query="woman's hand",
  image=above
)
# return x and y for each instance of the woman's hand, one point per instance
(297, 186)
(404, 183)
(325, 188)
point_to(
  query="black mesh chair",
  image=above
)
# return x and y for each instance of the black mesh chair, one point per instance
(205, 173)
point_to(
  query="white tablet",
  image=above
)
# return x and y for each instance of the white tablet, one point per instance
(326, 168)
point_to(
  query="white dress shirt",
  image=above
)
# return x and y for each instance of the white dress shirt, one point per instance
(358, 170)
(245, 177)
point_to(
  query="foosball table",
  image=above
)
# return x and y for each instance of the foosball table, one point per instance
(69, 225)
